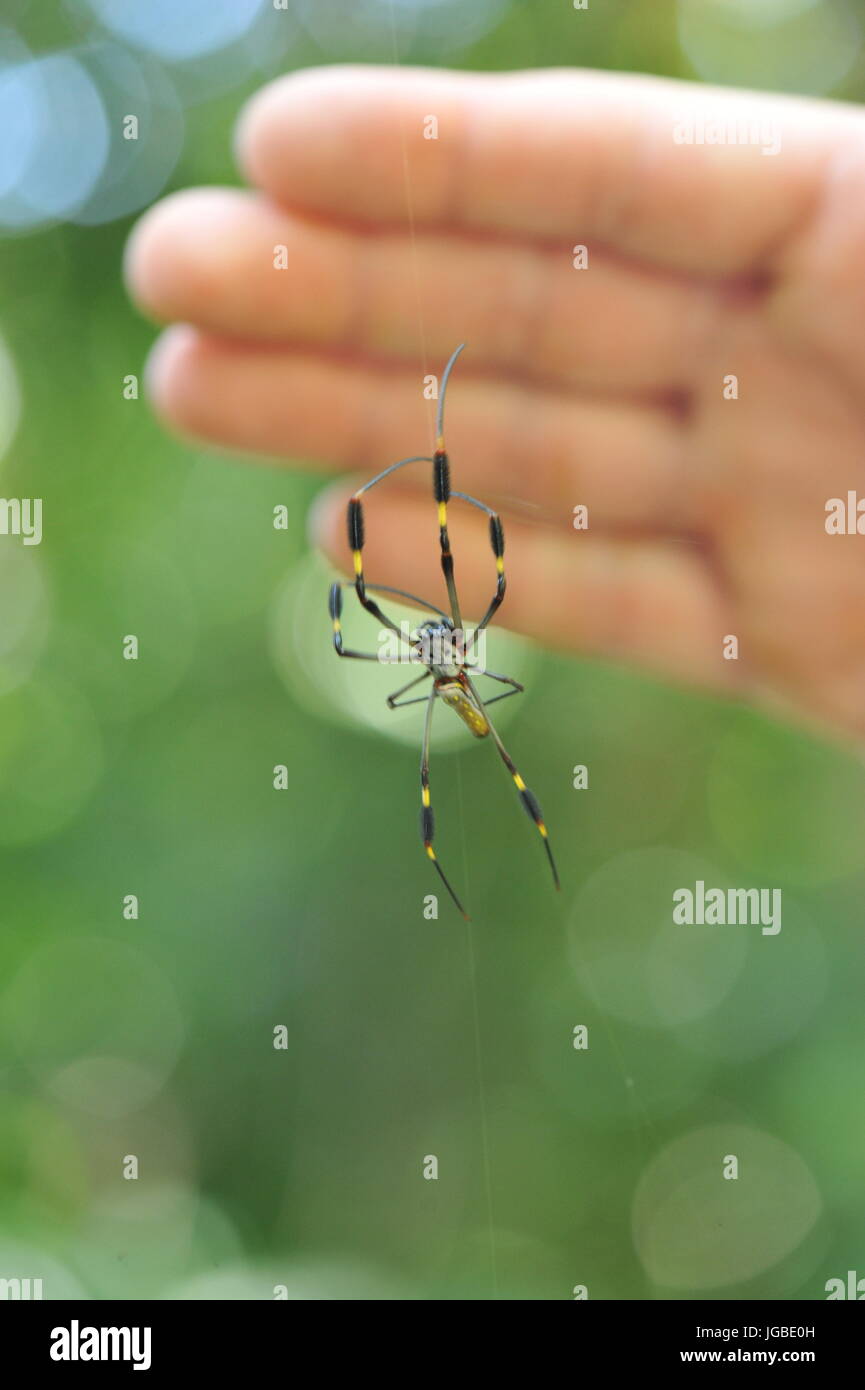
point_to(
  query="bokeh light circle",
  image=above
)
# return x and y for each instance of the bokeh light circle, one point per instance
(695, 1229)
(360, 28)
(758, 14)
(178, 32)
(19, 114)
(116, 1050)
(140, 1239)
(629, 955)
(312, 1280)
(51, 759)
(624, 1079)
(136, 169)
(64, 129)
(26, 1260)
(772, 1001)
(778, 45)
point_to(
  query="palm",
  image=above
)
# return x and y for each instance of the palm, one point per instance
(603, 387)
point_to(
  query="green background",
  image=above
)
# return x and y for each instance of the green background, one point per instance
(303, 1166)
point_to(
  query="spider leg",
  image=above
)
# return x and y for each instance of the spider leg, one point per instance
(335, 609)
(392, 702)
(441, 487)
(506, 696)
(504, 680)
(497, 541)
(442, 493)
(402, 593)
(527, 797)
(427, 820)
(355, 540)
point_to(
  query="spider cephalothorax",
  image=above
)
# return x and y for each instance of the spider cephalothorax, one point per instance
(441, 645)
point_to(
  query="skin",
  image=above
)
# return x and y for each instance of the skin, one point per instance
(602, 387)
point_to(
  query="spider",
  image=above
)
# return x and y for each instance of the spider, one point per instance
(439, 643)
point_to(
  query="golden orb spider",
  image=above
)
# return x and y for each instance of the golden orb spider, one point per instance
(440, 645)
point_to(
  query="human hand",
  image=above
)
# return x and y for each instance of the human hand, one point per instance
(603, 387)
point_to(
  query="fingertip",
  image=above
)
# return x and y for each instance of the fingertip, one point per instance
(167, 372)
(292, 134)
(249, 130)
(264, 126)
(139, 262)
(154, 252)
(179, 253)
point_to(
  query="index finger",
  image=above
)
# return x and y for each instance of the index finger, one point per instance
(687, 177)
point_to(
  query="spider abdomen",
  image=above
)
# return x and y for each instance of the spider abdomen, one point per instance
(455, 694)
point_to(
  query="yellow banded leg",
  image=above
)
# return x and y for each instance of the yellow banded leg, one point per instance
(427, 819)
(527, 797)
